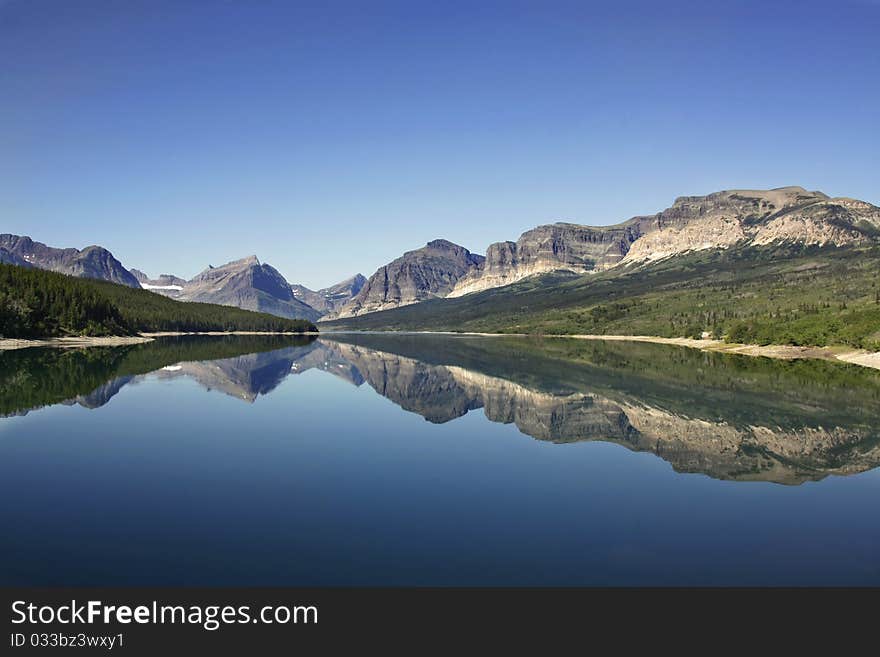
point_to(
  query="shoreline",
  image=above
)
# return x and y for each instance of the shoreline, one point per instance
(841, 354)
(171, 334)
(81, 342)
(75, 342)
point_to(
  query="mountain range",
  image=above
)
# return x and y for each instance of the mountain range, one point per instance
(787, 219)
(245, 283)
(426, 273)
(90, 262)
(329, 299)
(693, 223)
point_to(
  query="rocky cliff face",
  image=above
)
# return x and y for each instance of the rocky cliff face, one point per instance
(9, 258)
(244, 283)
(719, 220)
(559, 246)
(163, 280)
(756, 217)
(329, 299)
(425, 273)
(90, 262)
(247, 284)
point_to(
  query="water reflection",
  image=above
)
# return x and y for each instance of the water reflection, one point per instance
(730, 417)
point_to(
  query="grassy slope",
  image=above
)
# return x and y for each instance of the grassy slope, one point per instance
(770, 295)
(37, 303)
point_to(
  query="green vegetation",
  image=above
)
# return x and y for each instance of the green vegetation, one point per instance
(771, 295)
(31, 378)
(36, 303)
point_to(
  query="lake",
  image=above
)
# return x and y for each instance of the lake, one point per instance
(365, 459)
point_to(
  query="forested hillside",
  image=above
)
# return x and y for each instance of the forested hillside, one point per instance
(38, 303)
(789, 294)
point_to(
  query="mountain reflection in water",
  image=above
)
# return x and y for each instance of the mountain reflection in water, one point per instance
(729, 417)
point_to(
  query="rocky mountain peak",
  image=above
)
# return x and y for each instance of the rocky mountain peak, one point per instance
(9, 258)
(249, 261)
(356, 281)
(558, 246)
(90, 262)
(329, 299)
(444, 245)
(425, 273)
(248, 284)
(716, 220)
(167, 284)
(756, 217)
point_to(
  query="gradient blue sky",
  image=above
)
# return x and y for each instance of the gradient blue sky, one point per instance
(327, 138)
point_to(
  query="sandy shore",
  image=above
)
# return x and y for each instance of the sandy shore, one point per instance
(166, 334)
(71, 343)
(116, 341)
(785, 352)
(863, 358)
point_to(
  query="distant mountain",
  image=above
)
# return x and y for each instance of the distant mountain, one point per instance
(740, 218)
(9, 258)
(426, 273)
(559, 246)
(35, 303)
(780, 266)
(734, 220)
(250, 285)
(162, 281)
(244, 283)
(693, 223)
(329, 299)
(166, 284)
(91, 262)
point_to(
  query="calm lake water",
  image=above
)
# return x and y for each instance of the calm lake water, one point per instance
(416, 460)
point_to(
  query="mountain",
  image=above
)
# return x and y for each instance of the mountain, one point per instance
(91, 262)
(250, 285)
(425, 273)
(244, 283)
(559, 246)
(692, 223)
(35, 303)
(166, 284)
(779, 266)
(331, 298)
(781, 293)
(9, 258)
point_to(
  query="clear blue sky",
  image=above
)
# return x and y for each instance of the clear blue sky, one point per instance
(329, 137)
